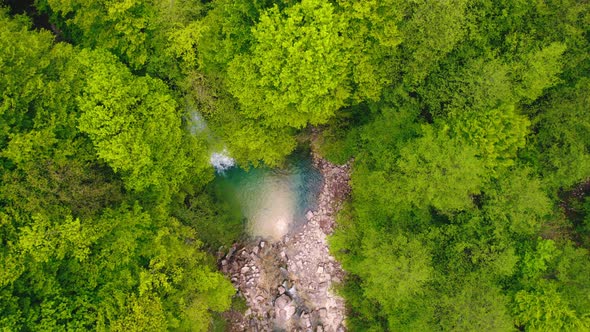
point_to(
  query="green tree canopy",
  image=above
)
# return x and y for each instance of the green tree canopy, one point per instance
(296, 70)
(135, 125)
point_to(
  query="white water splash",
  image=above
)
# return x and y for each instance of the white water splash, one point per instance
(222, 161)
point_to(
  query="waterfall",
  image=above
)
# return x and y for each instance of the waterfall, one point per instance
(222, 161)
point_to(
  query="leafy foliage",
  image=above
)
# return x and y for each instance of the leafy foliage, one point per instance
(467, 122)
(296, 71)
(78, 249)
(135, 126)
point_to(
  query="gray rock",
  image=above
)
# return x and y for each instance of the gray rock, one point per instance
(309, 215)
(230, 253)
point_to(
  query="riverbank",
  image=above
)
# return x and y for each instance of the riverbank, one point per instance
(288, 284)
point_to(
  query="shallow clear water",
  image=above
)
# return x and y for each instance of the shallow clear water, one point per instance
(273, 201)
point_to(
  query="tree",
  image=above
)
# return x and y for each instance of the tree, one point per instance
(121, 27)
(438, 171)
(372, 38)
(22, 73)
(543, 309)
(396, 263)
(538, 70)
(478, 306)
(248, 141)
(431, 31)
(135, 126)
(562, 140)
(78, 252)
(517, 202)
(226, 31)
(497, 134)
(296, 70)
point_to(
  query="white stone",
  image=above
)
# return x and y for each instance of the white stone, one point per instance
(282, 314)
(282, 301)
(323, 313)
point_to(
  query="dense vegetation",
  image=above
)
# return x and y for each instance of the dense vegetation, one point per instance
(468, 122)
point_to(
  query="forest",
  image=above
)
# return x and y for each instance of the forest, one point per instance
(467, 123)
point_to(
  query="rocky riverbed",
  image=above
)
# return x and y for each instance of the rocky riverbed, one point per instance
(288, 284)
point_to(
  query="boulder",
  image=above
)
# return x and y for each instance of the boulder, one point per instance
(282, 301)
